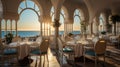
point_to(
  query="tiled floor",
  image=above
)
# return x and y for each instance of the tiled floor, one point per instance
(54, 63)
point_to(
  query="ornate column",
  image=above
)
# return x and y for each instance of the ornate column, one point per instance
(0, 28)
(56, 26)
(16, 28)
(40, 21)
(11, 27)
(5, 26)
(90, 28)
(65, 29)
(57, 5)
(96, 25)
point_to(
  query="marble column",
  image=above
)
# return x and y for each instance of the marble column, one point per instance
(56, 26)
(96, 25)
(5, 27)
(91, 28)
(11, 27)
(40, 28)
(0, 28)
(16, 28)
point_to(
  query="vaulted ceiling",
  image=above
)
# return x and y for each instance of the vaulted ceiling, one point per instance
(90, 8)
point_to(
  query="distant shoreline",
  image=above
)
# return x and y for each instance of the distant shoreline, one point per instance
(33, 33)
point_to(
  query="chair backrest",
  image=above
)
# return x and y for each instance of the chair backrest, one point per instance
(1, 45)
(44, 45)
(95, 39)
(60, 51)
(60, 44)
(63, 38)
(100, 46)
(39, 39)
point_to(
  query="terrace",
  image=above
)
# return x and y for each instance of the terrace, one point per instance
(59, 33)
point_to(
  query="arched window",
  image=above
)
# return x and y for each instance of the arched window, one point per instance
(28, 4)
(8, 25)
(3, 28)
(62, 18)
(77, 20)
(101, 23)
(29, 18)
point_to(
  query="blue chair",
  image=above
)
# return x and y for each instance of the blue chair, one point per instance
(98, 50)
(42, 50)
(63, 52)
(7, 53)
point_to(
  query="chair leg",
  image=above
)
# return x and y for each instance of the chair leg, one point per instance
(84, 60)
(96, 58)
(2, 61)
(74, 60)
(47, 59)
(104, 61)
(36, 62)
(44, 61)
(40, 62)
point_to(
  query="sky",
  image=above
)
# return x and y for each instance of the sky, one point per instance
(29, 19)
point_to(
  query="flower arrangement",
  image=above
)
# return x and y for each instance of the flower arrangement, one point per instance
(9, 38)
(56, 23)
(103, 32)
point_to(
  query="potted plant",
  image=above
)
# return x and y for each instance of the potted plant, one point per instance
(9, 38)
(103, 32)
(109, 26)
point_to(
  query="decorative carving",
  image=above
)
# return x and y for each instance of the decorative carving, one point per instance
(56, 23)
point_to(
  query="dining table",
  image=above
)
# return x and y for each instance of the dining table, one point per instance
(24, 48)
(78, 46)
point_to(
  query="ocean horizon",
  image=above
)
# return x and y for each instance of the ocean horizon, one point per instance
(33, 33)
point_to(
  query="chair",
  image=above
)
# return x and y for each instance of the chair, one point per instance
(61, 57)
(98, 51)
(66, 50)
(38, 41)
(41, 51)
(7, 52)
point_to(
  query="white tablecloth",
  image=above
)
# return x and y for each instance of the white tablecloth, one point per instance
(78, 47)
(23, 48)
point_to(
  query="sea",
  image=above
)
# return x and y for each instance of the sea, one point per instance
(33, 33)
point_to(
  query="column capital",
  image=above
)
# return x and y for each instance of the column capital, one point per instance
(56, 23)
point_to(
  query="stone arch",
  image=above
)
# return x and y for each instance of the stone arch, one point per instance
(66, 12)
(1, 9)
(82, 14)
(26, 7)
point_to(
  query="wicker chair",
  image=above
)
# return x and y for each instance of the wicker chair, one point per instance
(7, 52)
(98, 51)
(42, 50)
